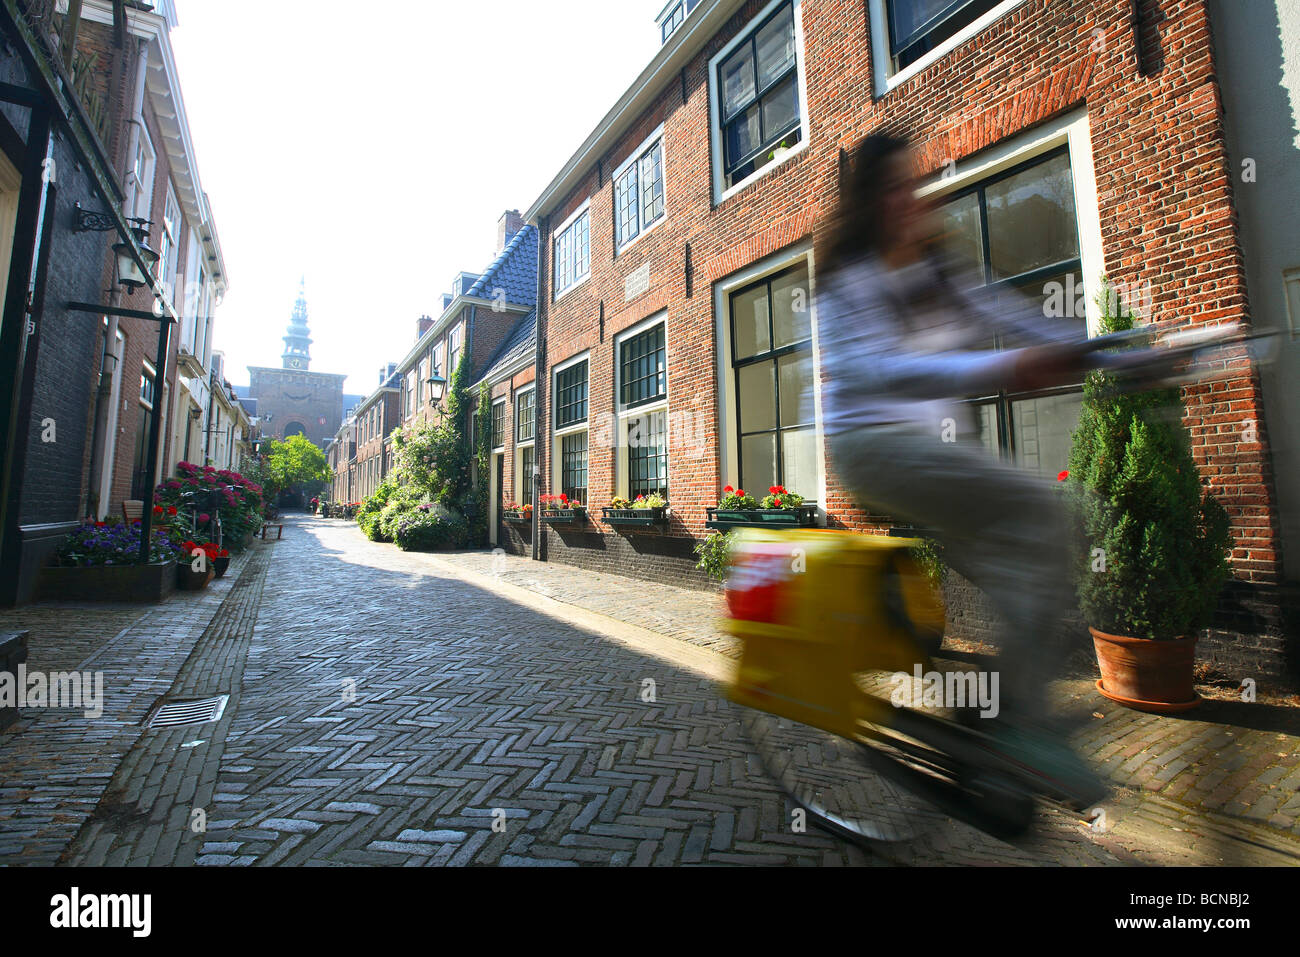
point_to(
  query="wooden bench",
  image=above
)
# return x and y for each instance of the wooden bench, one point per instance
(279, 529)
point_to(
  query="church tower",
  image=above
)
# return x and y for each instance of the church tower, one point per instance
(297, 342)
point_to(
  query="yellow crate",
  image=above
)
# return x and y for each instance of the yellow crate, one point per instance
(813, 608)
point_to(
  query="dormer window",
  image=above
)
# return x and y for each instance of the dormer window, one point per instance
(673, 16)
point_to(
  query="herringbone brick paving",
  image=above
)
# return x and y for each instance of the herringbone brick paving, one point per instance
(402, 709)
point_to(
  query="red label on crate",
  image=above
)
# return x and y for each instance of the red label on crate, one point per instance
(757, 586)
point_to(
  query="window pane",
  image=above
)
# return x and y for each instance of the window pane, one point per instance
(642, 361)
(652, 184)
(1032, 219)
(573, 466)
(796, 389)
(749, 312)
(571, 395)
(780, 113)
(962, 237)
(648, 455)
(1063, 299)
(625, 205)
(758, 463)
(737, 80)
(1043, 429)
(799, 461)
(988, 425)
(791, 319)
(743, 137)
(757, 389)
(775, 44)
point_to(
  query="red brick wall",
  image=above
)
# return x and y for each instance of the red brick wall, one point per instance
(1163, 183)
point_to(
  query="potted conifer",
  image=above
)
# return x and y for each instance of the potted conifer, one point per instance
(1154, 552)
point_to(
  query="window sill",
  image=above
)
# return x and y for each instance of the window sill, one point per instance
(887, 83)
(769, 167)
(725, 519)
(581, 282)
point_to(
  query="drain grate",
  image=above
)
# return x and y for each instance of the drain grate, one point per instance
(174, 713)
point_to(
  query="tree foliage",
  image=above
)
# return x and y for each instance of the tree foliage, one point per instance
(1154, 551)
(297, 462)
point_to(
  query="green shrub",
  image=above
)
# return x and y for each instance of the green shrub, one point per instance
(1154, 551)
(430, 531)
(367, 515)
(715, 555)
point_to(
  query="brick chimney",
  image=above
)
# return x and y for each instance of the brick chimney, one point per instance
(509, 224)
(423, 325)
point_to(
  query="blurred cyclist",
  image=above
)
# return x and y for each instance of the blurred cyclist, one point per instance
(903, 343)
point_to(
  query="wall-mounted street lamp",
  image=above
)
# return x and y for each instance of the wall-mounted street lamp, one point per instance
(437, 387)
(129, 273)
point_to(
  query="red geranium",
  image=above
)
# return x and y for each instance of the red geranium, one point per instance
(1062, 475)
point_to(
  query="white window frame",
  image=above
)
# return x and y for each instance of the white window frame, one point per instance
(170, 233)
(557, 458)
(146, 161)
(1071, 130)
(633, 161)
(728, 401)
(521, 481)
(883, 80)
(722, 192)
(624, 414)
(496, 402)
(584, 209)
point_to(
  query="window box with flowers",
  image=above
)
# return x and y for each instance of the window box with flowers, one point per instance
(99, 561)
(560, 509)
(517, 514)
(780, 508)
(642, 512)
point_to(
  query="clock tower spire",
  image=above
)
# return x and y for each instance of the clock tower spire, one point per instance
(297, 343)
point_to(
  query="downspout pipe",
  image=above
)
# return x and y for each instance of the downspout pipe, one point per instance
(538, 396)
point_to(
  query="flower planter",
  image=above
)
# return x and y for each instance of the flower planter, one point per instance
(108, 582)
(1146, 674)
(564, 516)
(801, 516)
(187, 579)
(516, 517)
(635, 517)
(220, 564)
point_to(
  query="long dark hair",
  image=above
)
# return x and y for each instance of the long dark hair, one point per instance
(857, 226)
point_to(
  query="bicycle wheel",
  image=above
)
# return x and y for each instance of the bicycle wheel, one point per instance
(837, 781)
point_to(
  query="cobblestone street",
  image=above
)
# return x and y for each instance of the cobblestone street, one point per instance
(406, 709)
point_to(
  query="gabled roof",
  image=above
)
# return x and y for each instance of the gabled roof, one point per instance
(514, 270)
(519, 344)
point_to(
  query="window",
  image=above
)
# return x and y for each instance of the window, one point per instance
(527, 458)
(498, 424)
(642, 367)
(772, 369)
(918, 26)
(573, 466)
(647, 454)
(571, 395)
(525, 416)
(757, 86)
(639, 191)
(142, 171)
(453, 349)
(673, 21)
(170, 237)
(573, 252)
(1018, 232)
(643, 395)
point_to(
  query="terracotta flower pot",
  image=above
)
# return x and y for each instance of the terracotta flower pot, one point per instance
(1145, 674)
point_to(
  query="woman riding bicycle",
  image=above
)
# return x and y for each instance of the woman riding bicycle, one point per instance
(904, 341)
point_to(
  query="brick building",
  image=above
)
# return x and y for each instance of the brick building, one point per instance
(372, 423)
(293, 400)
(94, 135)
(1062, 140)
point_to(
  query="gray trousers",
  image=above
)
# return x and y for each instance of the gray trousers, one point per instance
(1001, 528)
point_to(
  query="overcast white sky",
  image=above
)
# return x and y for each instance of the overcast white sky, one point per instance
(372, 148)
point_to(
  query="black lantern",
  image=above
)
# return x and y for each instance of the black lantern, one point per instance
(128, 270)
(437, 386)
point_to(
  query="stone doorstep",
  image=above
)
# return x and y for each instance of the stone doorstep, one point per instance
(13, 652)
